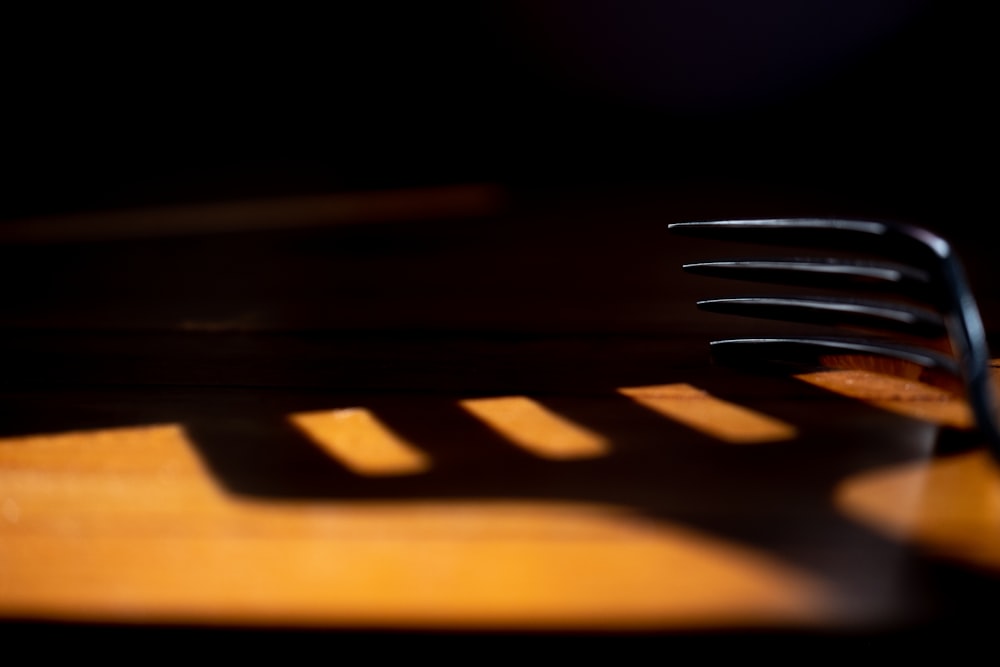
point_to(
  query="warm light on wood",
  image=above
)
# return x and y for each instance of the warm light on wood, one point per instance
(537, 429)
(703, 412)
(949, 505)
(904, 396)
(127, 525)
(358, 440)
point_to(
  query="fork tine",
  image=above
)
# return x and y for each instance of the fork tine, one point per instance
(895, 240)
(816, 351)
(821, 273)
(865, 314)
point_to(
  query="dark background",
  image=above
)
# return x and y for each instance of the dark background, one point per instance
(867, 107)
(884, 104)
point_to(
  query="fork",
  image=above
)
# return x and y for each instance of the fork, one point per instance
(923, 312)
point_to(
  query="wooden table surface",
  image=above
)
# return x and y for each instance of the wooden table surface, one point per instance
(449, 410)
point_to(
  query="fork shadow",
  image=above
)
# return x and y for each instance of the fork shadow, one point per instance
(778, 497)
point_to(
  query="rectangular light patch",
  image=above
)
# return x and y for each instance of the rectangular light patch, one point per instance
(703, 412)
(359, 441)
(536, 429)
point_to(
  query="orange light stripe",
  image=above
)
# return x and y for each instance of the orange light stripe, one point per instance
(536, 429)
(703, 412)
(363, 444)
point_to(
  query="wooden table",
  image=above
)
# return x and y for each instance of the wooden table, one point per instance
(451, 411)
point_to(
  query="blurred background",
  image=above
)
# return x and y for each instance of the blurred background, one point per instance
(885, 104)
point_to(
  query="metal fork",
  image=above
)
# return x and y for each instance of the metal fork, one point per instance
(923, 313)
